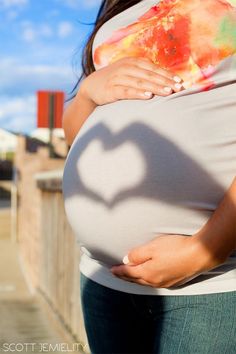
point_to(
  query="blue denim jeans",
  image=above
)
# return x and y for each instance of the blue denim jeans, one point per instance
(119, 322)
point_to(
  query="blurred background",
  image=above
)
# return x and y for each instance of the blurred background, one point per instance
(41, 45)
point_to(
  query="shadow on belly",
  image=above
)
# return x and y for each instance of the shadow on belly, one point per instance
(170, 175)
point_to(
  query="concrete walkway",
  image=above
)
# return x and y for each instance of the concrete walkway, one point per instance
(5, 219)
(25, 325)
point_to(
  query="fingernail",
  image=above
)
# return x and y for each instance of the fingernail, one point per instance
(178, 86)
(125, 260)
(148, 93)
(177, 79)
(167, 89)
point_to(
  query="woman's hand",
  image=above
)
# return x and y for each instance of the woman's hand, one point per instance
(129, 78)
(166, 261)
(172, 260)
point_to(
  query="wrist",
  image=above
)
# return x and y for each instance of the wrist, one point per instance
(209, 254)
(83, 94)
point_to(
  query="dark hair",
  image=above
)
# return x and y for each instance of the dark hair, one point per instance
(107, 10)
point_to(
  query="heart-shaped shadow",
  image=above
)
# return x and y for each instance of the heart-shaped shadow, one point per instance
(162, 159)
(112, 172)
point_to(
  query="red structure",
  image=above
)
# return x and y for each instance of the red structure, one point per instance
(50, 109)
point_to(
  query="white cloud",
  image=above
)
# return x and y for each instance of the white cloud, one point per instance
(18, 113)
(53, 13)
(12, 15)
(12, 8)
(18, 78)
(18, 86)
(64, 29)
(28, 34)
(84, 3)
(10, 3)
(71, 3)
(45, 30)
(31, 33)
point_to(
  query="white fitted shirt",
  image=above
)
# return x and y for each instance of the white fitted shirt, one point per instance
(141, 168)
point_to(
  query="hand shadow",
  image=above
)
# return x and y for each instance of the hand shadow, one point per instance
(158, 182)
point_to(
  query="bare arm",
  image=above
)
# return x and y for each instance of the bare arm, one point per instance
(76, 114)
(218, 236)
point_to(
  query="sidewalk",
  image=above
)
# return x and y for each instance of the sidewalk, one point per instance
(25, 325)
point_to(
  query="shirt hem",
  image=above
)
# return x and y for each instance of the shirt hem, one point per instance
(101, 274)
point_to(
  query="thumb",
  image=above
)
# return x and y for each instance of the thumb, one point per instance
(138, 255)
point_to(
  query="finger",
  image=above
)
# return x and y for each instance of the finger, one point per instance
(143, 282)
(127, 271)
(147, 79)
(149, 65)
(132, 89)
(163, 88)
(139, 255)
(125, 92)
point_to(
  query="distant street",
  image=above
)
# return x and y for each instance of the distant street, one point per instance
(23, 318)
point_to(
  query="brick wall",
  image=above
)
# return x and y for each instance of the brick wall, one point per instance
(48, 250)
(29, 204)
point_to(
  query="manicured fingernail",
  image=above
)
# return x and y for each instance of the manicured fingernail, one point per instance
(167, 89)
(178, 86)
(177, 79)
(125, 260)
(148, 93)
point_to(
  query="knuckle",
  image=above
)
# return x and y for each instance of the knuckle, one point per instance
(126, 91)
(109, 89)
(168, 82)
(113, 78)
(163, 81)
(151, 75)
(109, 82)
(140, 82)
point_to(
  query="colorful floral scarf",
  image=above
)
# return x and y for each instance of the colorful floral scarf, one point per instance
(189, 37)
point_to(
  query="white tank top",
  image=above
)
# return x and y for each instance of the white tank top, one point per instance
(141, 168)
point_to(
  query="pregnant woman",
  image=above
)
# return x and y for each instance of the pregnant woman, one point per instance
(149, 182)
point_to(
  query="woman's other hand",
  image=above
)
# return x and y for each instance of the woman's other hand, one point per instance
(172, 260)
(129, 78)
(166, 261)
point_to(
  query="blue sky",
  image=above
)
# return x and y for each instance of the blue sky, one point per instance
(39, 39)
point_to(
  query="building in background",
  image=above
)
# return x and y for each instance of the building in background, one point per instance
(43, 134)
(8, 144)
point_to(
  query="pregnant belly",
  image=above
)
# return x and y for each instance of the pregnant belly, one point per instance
(141, 168)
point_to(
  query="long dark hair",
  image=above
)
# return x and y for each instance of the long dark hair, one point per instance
(107, 10)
